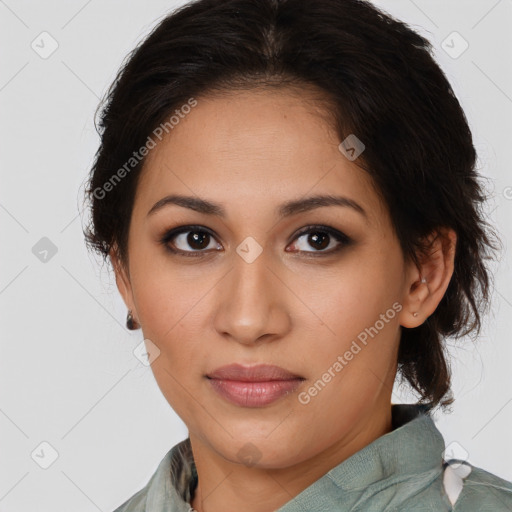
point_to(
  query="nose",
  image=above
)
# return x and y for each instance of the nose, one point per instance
(252, 302)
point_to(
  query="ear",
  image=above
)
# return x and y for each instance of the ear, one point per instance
(436, 268)
(123, 280)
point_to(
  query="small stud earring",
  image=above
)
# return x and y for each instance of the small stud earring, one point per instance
(131, 323)
(415, 314)
(423, 280)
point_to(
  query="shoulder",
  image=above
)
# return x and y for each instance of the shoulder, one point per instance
(166, 489)
(471, 488)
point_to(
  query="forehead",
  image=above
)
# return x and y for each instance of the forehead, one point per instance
(253, 147)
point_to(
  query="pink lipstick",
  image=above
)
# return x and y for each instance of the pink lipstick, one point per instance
(253, 386)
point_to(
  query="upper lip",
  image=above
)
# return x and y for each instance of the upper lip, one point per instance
(256, 373)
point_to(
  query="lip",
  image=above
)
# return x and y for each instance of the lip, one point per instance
(256, 373)
(253, 386)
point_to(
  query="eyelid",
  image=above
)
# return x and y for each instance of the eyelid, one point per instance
(343, 239)
(174, 232)
(336, 233)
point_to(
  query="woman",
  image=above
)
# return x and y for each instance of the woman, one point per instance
(286, 191)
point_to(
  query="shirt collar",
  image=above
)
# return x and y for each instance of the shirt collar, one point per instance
(172, 486)
(390, 455)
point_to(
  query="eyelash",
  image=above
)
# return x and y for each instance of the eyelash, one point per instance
(334, 233)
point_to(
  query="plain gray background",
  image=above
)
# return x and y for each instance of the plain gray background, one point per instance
(68, 376)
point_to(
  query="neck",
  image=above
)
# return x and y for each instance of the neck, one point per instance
(260, 489)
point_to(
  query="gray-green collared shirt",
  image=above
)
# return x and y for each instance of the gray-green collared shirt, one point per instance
(402, 470)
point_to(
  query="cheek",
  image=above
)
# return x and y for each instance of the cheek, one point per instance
(174, 309)
(172, 317)
(352, 298)
(165, 295)
(355, 317)
(351, 362)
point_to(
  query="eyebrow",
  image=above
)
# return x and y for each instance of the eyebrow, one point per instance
(285, 210)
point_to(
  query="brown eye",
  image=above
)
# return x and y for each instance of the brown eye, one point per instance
(197, 240)
(319, 240)
(322, 239)
(189, 239)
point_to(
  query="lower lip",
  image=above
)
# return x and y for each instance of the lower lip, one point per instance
(254, 394)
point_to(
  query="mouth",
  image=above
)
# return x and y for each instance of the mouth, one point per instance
(254, 386)
(257, 373)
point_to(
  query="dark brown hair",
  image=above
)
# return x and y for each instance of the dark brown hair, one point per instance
(384, 86)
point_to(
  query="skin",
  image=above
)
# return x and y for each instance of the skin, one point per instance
(250, 152)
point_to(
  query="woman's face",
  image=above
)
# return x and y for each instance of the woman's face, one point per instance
(255, 285)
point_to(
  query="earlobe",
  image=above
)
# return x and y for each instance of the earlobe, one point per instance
(123, 281)
(428, 283)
